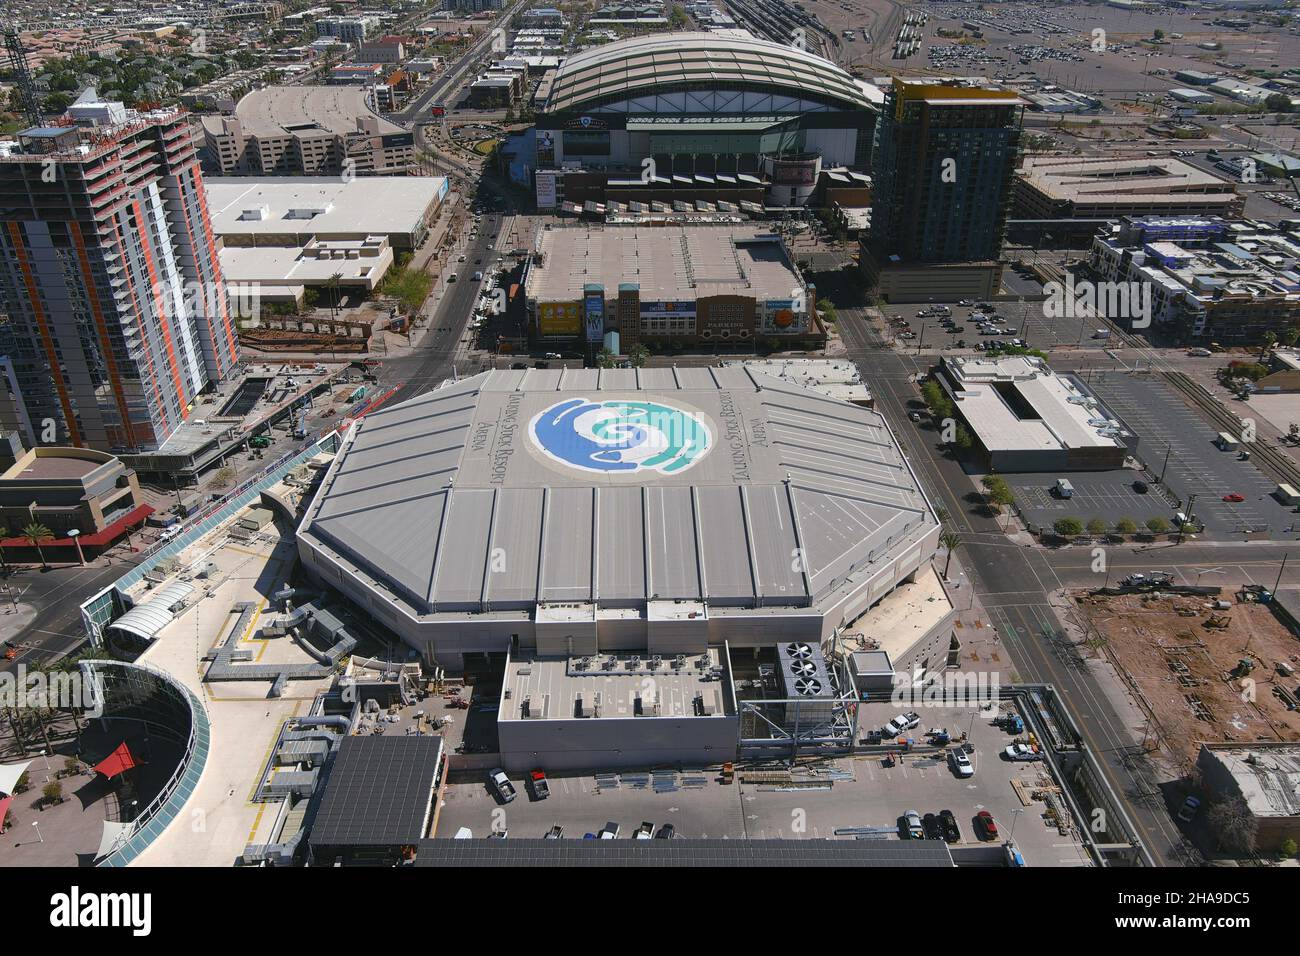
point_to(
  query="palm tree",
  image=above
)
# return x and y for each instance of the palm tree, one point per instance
(952, 541)
(1270, 340)
(34, 533)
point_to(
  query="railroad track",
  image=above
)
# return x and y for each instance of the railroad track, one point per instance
(1277, 465)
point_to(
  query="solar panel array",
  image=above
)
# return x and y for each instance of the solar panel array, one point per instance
(378, 792)
(681, 852)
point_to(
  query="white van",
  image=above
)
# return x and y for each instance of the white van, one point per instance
(1064, 489)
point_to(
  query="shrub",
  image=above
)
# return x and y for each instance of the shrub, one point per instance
(1068, 527)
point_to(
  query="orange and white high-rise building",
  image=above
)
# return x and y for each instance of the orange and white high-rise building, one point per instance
(109, 277)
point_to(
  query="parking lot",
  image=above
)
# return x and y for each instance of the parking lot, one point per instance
(1018, 319)
(1108, 495)
(1196, 465)
(857, 792)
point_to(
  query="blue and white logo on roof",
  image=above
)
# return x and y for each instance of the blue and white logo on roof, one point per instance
(620, 436)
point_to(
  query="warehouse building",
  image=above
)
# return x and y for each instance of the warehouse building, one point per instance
(1025, 417)
(647, 557)
(1263, 774)
(272, 211)
(667, 285)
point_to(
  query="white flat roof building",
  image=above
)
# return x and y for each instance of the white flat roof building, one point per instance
(262, 211)
(1029, 418)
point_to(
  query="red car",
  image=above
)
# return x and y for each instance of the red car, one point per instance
(1233, 497)
(985, 827)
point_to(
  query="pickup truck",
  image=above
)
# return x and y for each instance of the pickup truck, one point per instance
(541, 789)
(502, 785)
(645, 831)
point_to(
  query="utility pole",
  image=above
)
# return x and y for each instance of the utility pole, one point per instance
(1278, 583)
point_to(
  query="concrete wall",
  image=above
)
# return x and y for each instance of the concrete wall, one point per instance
(614, 742)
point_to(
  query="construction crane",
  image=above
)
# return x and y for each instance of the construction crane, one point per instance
(22, 73)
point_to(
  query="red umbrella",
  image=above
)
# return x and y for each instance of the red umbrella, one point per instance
(119, 761)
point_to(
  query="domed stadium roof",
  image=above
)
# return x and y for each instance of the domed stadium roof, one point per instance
(726, 59)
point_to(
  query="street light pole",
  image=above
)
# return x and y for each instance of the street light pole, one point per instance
(75, 535)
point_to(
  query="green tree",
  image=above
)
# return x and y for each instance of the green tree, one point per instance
(1067, 527)
(1096, 526)
(35, 533)
(1126, 526)
(606, 358)
(1277, 103)
(52, 792)
(1269, 340)
(952, 541)
(1157, 525)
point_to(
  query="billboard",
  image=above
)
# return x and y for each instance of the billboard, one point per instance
(784, 317)
(559, 318)
(659, 310)
(546, 191)
(545, 148)
(794, 172)
(593, 300)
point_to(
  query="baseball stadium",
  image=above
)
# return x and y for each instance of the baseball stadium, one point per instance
(719, 110)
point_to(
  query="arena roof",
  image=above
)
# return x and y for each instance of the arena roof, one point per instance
(731, 57)
(617, 487)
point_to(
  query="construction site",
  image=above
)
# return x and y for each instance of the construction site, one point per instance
(1202, 667)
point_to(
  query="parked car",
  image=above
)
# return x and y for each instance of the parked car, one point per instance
(645, 831)
(912, 825)
(541, 789)
(501, 783)
(609, 831)
(554, 833)
(951, 832)
(1233, 496)
(961, 764)
(666, 832)
(1141, 487)
(1188, 810)
(933, 828)
(985, 826)
(1022, 752)
(914, 416)
(901, 723)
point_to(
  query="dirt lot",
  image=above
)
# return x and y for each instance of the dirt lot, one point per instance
(1182, 669)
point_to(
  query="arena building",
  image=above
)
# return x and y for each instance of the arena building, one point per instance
(707, 108)
(693, 285)
(566, 511)
(678, 552)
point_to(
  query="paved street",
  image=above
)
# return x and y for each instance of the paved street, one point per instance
(1015, 581)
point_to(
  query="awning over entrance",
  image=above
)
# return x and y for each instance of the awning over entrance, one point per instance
(149, 617)
(119, 761)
